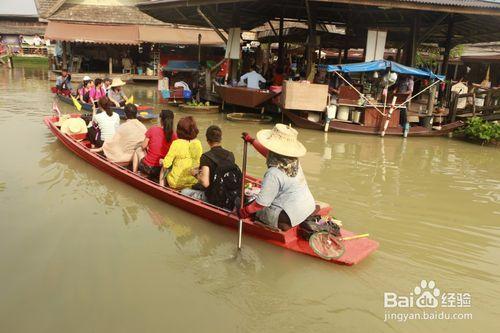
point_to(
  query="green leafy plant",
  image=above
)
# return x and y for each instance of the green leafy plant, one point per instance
(479, 129)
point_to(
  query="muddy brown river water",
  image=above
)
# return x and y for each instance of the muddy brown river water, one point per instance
(83, 252)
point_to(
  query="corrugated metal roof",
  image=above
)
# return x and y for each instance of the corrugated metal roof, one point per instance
(460, 3)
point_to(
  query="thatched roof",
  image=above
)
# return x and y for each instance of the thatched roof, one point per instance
(103, 14)
(47, 7)
(62, 10)
(21, 28)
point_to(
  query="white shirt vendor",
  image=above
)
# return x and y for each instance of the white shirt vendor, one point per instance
(253, 79)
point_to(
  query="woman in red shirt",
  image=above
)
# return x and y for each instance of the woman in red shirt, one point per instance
(155, 146)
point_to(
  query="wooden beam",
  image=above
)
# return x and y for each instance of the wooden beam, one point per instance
(200, 12)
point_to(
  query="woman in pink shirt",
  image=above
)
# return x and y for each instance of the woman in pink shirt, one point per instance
(96, 92)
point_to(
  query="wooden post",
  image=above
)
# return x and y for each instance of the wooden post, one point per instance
(311, 45)
(447, 46)
(319, 54)
(64, 55)
(281, 48)
(199, 48)
(430, 106)
(411, 52)
(311, 49)
(110, 65)
(453, 107)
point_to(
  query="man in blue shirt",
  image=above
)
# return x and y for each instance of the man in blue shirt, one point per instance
(253, 79)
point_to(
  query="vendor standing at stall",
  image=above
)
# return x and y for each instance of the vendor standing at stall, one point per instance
(405, 86)
(252, 78)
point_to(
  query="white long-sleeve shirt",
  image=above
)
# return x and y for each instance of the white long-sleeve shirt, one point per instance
(253, 79)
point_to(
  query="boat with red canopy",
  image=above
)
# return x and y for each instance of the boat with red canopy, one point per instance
(355, 250)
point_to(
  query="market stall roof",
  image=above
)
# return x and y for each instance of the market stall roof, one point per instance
(129, 34)
(382, 65)
(474, 20)
(182, 36)
(93, 33)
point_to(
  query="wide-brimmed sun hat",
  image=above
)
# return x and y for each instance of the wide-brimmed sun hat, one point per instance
(73, 126)
(117, 82)
(87, 78)
(282, 139)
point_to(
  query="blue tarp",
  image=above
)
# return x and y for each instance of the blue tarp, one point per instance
(182, 65)
(382, 65)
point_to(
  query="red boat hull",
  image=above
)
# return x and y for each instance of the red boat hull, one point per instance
(338, 126)
(356, 250)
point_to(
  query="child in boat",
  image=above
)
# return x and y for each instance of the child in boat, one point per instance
(129, 135)
(284, 200)
(217, 162)
(155, 146)
(84, 90)
(184, 155)
(116, 94)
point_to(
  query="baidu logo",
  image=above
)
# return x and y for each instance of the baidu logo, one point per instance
(426, 301)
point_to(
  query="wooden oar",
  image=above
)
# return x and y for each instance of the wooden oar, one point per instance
(242, 202)
(354, 237)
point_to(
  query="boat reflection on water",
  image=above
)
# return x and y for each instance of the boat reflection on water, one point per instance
(61, 170)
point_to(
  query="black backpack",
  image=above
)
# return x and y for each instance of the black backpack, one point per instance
(225, 186)
(314, 224)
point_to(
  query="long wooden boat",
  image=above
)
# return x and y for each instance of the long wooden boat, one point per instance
(242, 96)
(355, 250)
(345, 127)
(144, 113)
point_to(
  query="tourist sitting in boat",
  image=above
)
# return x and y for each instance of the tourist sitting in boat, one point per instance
(184, 155)
(252, 79)
(219, 178)
(107, 84)
(155, 146)
(97, 92)
(84, 90)
(284, 200)
(105, 122)
(129, 135)
(116, 94)
(63, 83)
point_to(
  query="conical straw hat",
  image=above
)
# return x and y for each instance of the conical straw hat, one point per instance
(74, 126)
(282, 139)
(117, 82)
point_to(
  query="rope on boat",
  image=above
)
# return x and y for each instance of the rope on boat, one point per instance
(412, 97)
(360, 94)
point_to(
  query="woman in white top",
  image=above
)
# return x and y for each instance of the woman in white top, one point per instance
(107, 121)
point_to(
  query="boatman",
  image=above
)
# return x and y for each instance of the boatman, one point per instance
(63, 82)
(252, 78)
